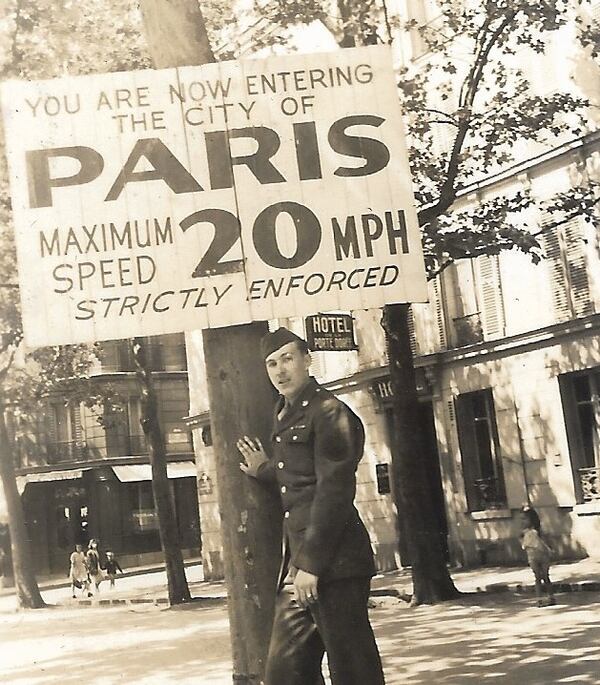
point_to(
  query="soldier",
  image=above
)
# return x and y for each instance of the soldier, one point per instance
(321, 604)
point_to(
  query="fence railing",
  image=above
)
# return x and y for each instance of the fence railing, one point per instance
(489, 493)
(590, 483)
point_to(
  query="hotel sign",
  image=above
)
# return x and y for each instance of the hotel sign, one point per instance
(330, 333)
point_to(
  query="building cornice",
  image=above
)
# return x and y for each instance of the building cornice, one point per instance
(97, 463)
(519, 343)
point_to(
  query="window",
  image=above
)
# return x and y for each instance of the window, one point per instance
(123, 431)
(478, 311)
(65, 434)
(566, 260)
(382, 473)
(480, 450)
(580, 393)
(163, 353)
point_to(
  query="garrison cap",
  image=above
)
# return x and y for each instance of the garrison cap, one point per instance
(282, 336)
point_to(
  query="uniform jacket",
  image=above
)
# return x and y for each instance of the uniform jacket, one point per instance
(316, 447)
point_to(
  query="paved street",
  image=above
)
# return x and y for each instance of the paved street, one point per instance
(485, 639)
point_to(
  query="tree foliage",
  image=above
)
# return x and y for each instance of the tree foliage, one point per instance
(471, 110)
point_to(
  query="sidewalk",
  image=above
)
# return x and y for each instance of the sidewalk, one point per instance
(147, 585)
(570, 576)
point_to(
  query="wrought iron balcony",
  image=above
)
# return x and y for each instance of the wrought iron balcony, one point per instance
(590, 483)
(468, 329)
(65, 451)
(489, 493)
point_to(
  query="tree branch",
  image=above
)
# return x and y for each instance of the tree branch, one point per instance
(447, 193)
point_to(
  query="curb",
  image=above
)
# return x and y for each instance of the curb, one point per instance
(519, 588)
(134, 601)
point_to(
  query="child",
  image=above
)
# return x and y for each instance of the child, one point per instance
(78, 572)
(112, 566)
(538, 558)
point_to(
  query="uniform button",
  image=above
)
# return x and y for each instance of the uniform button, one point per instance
(283, 489)
(295, 437)
(278, 438)
(286, 515)
(280, 465)
(305, 403)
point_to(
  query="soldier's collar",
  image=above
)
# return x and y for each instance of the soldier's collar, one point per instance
(304, 396)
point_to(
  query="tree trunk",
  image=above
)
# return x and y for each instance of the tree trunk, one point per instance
(431, 580)
(28, 593)
(241, 400)
(169, 535)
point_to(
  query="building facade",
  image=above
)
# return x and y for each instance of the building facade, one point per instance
(86, 474)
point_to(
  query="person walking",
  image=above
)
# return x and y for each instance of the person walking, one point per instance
(92, 560)
(323, 591)
(111, 567)
(78, 571)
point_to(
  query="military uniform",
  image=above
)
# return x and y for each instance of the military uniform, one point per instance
(316, 445)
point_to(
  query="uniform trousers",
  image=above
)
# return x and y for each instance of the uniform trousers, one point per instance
(337, 623)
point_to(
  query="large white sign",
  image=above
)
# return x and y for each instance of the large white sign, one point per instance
(151, 202)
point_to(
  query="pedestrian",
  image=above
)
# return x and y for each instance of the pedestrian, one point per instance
(92, 560)
(538, 558)
(111, 567)
(323, 590)
(78, 572)
(2, 566)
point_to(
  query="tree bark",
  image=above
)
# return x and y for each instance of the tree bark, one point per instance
(28, 593)
(176, 581)
(431, 579)
(240, 401)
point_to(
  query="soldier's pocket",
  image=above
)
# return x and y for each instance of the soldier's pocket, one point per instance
(298, 434)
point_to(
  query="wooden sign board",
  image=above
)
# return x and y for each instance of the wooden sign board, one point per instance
(152, 202)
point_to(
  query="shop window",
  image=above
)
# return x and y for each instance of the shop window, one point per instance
(480, 450)
(143, 517)
(580, 393)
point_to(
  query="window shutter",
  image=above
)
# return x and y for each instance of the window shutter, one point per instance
(565, 251)
(490, 296)
(51, 421)
(411, 332)
(577, 268)
(439, 313)
(318, 365)
(76, 425)
(556, 273)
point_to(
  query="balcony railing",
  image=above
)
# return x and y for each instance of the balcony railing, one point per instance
(489, 493)
(590, 483)
(65, 451)
(62, 452)
(468, 329)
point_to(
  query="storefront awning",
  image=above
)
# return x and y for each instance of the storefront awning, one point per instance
(137, 472)
(46, 476)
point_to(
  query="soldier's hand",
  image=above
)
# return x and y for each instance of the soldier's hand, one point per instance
(254, 455)
(305, 588)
